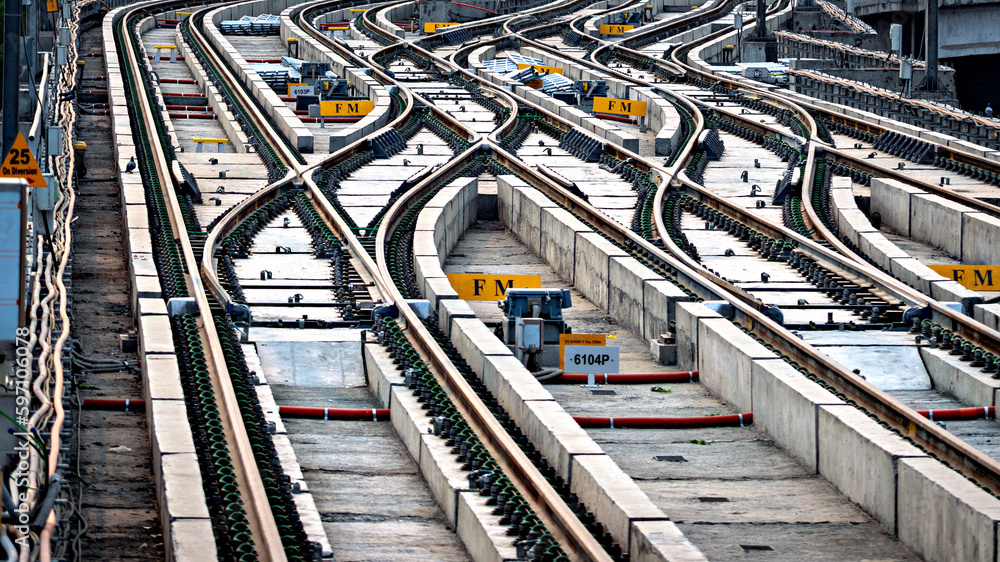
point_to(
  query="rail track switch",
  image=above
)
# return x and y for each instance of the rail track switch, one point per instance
(533, 323)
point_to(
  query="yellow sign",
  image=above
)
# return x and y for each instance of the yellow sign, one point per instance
(482, 287)
(615, 29)
(541, 69)
(51, 5)
(20, 163)
(619, 107)
(578, 339)
(346, 108)
(975, 277)
(431, 27)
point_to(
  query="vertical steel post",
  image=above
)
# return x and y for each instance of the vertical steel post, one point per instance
(932, 44)
(11, 67)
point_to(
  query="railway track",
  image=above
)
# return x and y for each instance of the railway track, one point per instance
(569, 532)
(966, 458)
(252, 511)
(764, 327)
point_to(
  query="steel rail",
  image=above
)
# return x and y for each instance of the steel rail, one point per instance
(970, 460)
(245, 98)
(567, 529)
(957, 453)
(564, 525)
(900, 175)
(962, 324)
(261, 520)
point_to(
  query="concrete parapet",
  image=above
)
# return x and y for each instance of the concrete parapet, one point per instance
(592, 272)
(474, 342)
(942, 515)
(988, 314)
(558, 240)
(960, 231)
(980, 239)
(383, 18)
(785, 403)
(891, 198)
(689, 315)
(526, 204)
(860, 458)
(448, 485)
(612, 496)
(627, 279)
(938, 222)
(660, 298)
(660, 540)
(725, 357)
(895, 197)
(957, 378)
(189, 539)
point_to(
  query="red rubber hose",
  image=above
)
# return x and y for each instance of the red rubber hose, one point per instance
(957, 414)
(630, 378)
(357, 414)
(731, 420)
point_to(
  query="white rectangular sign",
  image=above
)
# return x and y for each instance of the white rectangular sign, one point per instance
(591, 359)
(296, 91)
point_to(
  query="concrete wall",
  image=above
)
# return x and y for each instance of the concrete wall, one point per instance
(885, 475)
(635, 523)
(613, 281)
(183, 512)
(960, 231)
(894, 206)
(384, 18)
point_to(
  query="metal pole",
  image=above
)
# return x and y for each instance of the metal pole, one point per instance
(11, 67)
(932, 44)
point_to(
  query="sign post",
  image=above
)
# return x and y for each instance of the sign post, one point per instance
(591, 359)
